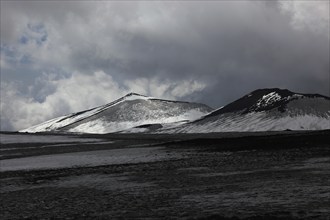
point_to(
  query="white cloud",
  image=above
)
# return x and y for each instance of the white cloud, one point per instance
(187, 87)
(164, 88)
(79, 92)
(162, 49)
(312, 15)
(76, 93)
(3, 63)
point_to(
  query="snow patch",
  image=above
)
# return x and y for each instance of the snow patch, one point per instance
(268, 99)
(20, 138)
(101, 126)
(137, 97)
(135, 130)
(89, 158)
(45, 126)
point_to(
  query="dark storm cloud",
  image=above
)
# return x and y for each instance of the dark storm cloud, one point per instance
(218, 50)
(232, 49)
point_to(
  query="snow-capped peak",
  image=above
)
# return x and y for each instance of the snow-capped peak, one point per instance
(268, 99)
(135, 96)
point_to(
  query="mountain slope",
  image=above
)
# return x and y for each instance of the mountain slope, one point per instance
(264, 110)
(127, 112)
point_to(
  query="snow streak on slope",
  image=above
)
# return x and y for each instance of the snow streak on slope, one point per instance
(101, 126)
(259, 121)
(127, 112)
(135, 113)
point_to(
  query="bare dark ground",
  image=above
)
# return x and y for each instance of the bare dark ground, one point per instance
(278, 175)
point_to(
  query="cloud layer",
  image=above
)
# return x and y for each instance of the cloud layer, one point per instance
(60, 57)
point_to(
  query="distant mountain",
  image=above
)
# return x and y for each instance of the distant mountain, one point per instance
(265, 110)
(261, 110)
(127, 112)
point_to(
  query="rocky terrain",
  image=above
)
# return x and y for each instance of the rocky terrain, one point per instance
(272, 175)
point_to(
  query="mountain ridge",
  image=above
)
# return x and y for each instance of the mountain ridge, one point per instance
(265, 109)
(148, 108)
(256, 95)
(261, 109)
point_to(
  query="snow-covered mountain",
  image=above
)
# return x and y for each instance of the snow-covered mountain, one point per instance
(261, 110)
(127, 112)
(264, 110)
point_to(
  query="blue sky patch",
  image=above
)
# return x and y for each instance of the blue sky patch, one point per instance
(36, 33)
(24, 39)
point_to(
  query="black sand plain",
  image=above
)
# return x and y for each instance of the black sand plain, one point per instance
(260, 175)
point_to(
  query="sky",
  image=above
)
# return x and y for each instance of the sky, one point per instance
(59, 57)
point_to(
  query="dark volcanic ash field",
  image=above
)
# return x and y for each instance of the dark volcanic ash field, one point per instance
(221, 175)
